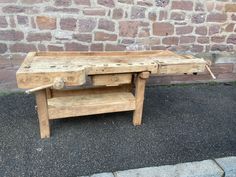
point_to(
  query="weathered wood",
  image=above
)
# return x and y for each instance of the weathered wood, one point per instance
(42, 108)
(27, 79)
(139, 97)
(111, 79)
(47, 71)
(49, 93)
(42, 68)
(58, 83)
(38, 88)
(91, 90)
(81, 105)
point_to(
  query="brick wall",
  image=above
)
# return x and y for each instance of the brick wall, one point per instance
(190, 26)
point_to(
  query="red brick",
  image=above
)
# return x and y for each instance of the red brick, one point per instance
(184, 30)
(128, 28)
(61, 9)
(178, 16)
(137, 12)
(22, 20)
(233, 17)
(144, 3)
(163, 15)
(3, 48)
(197, 48)
(227, 77)
(8, 1)
(87, 25)
(152, 16)
(107, 3)
(144, 32)
(182, 48)
(126, 1)
(55, 48)
(222, 68)
(144, 24)
(40, 36)
(230, 7)
(182, 5)
(216, 17)
(230, 27)
(203, 40)
(73, 46)
(96, 47)
(11, 35)
(162, 29)
(83, 37)
(219, 6)
(127, 41)
(101, 36)
(20, 9)
(186, 39)
(68, 24)
(83, 2)
(218, 39)
(13, 9)
(62, 2)
(221, 47)
(117, 13)
(45, 22)
(234, 68)
(170, 40)
(158, 47)
(214, 29)
(42, 47)
(3, 22)
(94, 12)
(210, 5)
(31, 1)
(22, 47)
(231, 39)
(112, 47)
(107, 25)
(198, 18)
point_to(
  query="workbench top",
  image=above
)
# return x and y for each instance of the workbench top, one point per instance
(41, 68)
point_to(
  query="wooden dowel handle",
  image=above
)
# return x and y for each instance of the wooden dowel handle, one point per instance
(57, 84)
(209, 70)
(38, 88)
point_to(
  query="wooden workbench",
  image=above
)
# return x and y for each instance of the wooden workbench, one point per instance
(57, 75)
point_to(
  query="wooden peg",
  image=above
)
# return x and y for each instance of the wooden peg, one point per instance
(144, 75)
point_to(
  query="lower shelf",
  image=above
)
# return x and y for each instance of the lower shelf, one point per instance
(71, 106)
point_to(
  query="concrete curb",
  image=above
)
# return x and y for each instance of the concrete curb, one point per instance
(222, 167)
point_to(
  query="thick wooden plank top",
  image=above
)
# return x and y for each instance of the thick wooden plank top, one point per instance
(43, 67)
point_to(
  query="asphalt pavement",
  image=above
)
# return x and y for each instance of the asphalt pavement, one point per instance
(180, 124)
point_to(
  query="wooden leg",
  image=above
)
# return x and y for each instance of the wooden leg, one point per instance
(49, 93)
(41, 100)
(139, 97)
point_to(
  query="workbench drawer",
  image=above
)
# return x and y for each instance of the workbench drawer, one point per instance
(111, 79)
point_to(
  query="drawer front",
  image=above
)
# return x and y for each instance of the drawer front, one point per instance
(111, 79)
